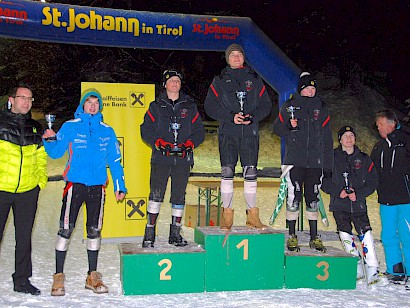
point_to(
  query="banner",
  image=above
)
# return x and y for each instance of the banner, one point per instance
(61, 23)
(124, 106)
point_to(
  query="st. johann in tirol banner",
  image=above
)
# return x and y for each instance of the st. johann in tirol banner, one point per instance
(124, 106)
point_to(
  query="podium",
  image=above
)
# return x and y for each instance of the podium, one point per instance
(241, 259)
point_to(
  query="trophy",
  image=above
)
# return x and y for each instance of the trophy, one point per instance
(241, 95)
(291, 110)
(347, 187)
(175, 127)
(50, 119)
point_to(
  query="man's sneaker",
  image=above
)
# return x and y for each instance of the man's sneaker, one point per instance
(292, 243)
(58, 285)
(26, 287)
(317, 244)
(94, 282)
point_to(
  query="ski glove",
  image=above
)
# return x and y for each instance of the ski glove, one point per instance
(186, 148)
(163, 146)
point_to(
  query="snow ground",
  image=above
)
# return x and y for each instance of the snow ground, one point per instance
(109, 264)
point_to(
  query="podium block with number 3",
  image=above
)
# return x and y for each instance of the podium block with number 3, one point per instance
(243, 259)
(307, 268)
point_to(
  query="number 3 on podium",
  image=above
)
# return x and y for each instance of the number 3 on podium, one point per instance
(325, 271)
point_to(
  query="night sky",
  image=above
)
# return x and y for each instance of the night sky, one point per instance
(374, 34)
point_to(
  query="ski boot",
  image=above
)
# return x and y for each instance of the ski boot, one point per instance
(317, 244)
(292, 243)
(149, 237)
(374, 277)
(175, 237)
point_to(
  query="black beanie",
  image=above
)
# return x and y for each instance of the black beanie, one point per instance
(170, 73)
(344, 129)
(306, 80)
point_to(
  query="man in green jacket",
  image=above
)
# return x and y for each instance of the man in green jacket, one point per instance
(22, 175)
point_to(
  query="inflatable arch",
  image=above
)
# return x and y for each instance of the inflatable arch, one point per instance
(60, 23)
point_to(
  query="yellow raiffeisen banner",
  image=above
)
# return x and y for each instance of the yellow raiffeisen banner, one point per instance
(124, 106)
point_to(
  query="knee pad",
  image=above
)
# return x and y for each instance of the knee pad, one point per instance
(312, 206)
(62, 243)
(94, 243)
(66, 233)
(250, 173)
(293, 207)
(292, 215)
(93, 232)
(177, 210)
(227, 172)
(153, 207)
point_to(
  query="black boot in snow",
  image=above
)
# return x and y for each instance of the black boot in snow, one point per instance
(149, 237)
(175, 237)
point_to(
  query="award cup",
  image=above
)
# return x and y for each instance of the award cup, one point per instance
(347, 187)
(175, 127)
(291, 110)
(241, 95)
(50, 118)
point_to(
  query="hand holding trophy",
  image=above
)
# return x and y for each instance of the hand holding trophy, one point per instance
(50, 119)
(291, 110)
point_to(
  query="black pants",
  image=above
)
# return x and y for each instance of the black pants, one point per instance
(24, 207)
(344, 221)
(159, 179)
(74, 196)
(232, 147)
(305, 181)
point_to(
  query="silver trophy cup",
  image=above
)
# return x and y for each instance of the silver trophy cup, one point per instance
(347, 187)
(50, 119)
(291, 110)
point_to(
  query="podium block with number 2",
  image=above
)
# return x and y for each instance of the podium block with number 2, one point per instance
(165, 269)
(243, 259)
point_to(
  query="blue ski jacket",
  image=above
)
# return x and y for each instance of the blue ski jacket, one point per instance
(92, 146)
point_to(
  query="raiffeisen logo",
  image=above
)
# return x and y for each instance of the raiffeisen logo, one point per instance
(90, 20)
(216, 28)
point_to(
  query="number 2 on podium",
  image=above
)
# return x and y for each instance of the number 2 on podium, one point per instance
(163, 274)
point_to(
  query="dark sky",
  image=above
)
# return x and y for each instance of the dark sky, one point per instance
(373, 33)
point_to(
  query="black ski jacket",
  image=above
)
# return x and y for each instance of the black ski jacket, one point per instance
(157, 122)
(222, 104)
(362, 177)
(311, 146)
(392, 160)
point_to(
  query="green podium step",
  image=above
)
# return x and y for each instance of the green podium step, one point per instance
(243, 259)
(164, 269)
(309, 268)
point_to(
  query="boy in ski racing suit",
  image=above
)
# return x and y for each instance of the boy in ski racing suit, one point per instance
(92, 146)
(353, 179)
(238, 99)
(308, 155)
(173, 128)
